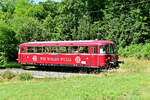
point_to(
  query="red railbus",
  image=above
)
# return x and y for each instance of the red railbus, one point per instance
(91, 53)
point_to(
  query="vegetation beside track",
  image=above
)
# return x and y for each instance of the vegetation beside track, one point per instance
(130, 81)
(14, 65)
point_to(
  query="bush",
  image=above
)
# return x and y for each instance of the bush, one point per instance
(25, 76)
(8, 75)
(3, 59)
(138, 51)
(8, 41)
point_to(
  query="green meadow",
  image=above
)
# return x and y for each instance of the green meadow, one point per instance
(130, 82)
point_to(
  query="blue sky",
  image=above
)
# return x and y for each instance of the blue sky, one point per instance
(45, 0)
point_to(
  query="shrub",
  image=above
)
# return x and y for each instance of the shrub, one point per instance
(3, 59)
(8, 75)
(25, 76)
(138, 51)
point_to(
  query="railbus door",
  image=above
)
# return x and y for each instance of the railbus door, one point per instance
(94, 57)
(22, 54)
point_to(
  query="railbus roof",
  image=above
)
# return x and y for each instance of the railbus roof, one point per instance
(67, 43)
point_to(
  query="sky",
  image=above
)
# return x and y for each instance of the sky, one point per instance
(45, 0)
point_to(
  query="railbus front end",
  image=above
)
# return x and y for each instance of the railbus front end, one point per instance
(92, 54)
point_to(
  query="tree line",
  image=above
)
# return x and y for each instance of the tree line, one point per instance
(126, 22)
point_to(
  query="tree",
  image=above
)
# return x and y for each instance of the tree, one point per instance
(50, 7)
(8, 5)
(28, 29)
(67, 20)
(95, 9)
(22, 8)
(36, 11)
(5, 16)
(8, 42)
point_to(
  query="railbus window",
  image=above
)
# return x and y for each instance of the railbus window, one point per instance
(74, 49)
(23, 50)
(102, 49)
(30, 50)
(115, 49)
(107, 49)
(39, 49)
(55, 49)
(83, 49)
(94, 49)
(63, 49)
(46, 49)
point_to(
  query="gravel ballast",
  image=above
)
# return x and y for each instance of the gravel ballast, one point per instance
(43, 74)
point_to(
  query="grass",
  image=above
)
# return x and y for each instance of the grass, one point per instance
(11, 65)
(130, 82)
(14, 65)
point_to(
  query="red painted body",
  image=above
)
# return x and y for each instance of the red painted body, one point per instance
(93, 58)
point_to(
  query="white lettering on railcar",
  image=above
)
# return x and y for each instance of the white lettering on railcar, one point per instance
(55, 59)
(66, 59)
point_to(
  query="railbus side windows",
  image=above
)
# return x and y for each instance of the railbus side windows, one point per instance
(57, 49)
(38, 49)
(30, 50)
(46, 49)
(74, 49)
(102, 49)
(23, 50)
(94, 49)
(54, 49)
(83, 49)
(107, 49)
(63, 49)
(115, 49)
(79, 49)
(34, 49)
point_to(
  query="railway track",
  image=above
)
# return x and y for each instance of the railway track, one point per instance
(56, 72)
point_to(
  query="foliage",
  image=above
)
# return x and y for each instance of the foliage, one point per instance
(8, 42)
(139, 51)
(28, 29)
(5, 17)
(25, 76)
(37, 12)
(8, 75)
(8, 5)
(22, 8)
(11, 65)
(3, 58)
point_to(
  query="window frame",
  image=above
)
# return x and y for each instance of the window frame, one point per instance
(68, 49)
(109, 49)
